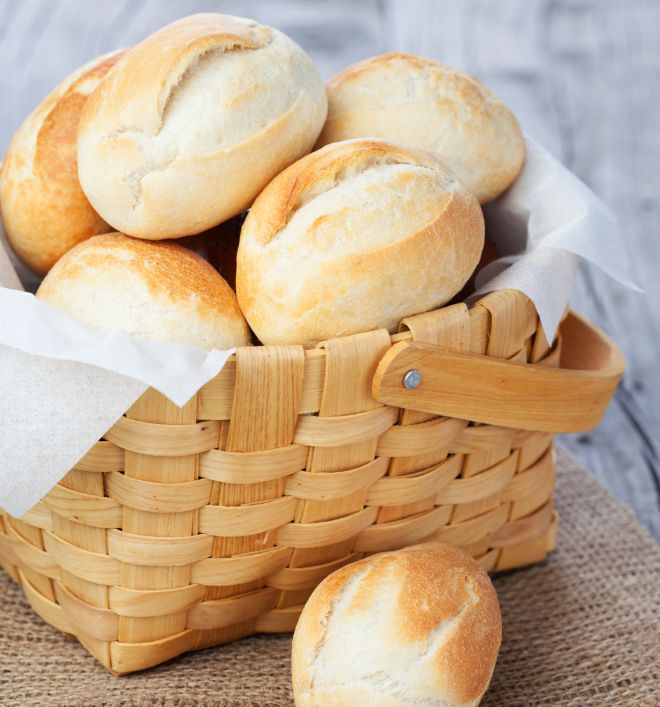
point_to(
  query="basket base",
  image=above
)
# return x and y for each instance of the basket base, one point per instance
(124, 658)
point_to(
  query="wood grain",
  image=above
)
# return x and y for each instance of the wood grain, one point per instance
(582, 75)
(506, 392)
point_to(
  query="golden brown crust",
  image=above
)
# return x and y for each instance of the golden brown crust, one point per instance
(55, 156)
(464, 591)
(141, 90)
(44, 209)
(421, 102)
(302, 279)
(321, 171)
(161, 291)
(357, 70)
(433, 600)
(164, 267)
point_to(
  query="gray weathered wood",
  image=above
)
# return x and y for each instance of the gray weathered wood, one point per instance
(582, 75)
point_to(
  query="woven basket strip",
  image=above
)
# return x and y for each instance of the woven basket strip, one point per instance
(447, 327)
(513, 321)
(217, 396)
(81, 530)
(29, 543)
(533, 448)
(516, 330)
(510, 327)
(266, 396)
(540, 345)
(141, 546)
(8, 558)
(349, 368)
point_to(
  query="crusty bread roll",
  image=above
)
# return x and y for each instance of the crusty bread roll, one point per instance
(420, 102)
(157, 291)
(193, 123)
(419, 626)
(44, 210)
(355, 237)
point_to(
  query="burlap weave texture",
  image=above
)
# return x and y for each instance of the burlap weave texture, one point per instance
(583, 628)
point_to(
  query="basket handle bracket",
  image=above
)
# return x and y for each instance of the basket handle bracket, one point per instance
(490, 390)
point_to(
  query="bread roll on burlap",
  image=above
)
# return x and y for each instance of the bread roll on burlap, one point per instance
(157, 291)
(420, 102)
(420, 626)
(194, 122)
(44, 209)
(355, 237)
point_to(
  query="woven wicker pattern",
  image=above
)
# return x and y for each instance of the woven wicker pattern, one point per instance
(580, 629)
(189, 527)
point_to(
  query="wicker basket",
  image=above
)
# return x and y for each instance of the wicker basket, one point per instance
(188, 527)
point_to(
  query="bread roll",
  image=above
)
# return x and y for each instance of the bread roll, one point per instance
(420, 102)
(157, 291)
(355, 237)
(420, 626)
(194, 122)
(44, 210)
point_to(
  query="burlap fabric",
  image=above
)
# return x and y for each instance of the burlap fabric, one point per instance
(581, 629)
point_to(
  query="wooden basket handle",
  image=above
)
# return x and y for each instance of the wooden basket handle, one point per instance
(479, 388)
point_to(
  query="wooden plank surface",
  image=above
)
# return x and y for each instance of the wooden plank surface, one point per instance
(582, 75)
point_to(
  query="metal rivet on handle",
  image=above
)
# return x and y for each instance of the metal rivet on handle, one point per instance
(412, 379)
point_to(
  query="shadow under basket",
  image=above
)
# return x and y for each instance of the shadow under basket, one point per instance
(189, 527)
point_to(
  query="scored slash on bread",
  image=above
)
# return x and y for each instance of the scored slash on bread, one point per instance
(355, 237)
(195, 121)
(417, 626)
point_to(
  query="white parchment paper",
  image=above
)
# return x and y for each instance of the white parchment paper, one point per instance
(543, 225)
(63, 385)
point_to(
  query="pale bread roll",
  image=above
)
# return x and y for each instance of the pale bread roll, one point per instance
(44, 209)
(157, 291)
(420, 626)
(355, 237)
(420, 102)
(193, 123)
